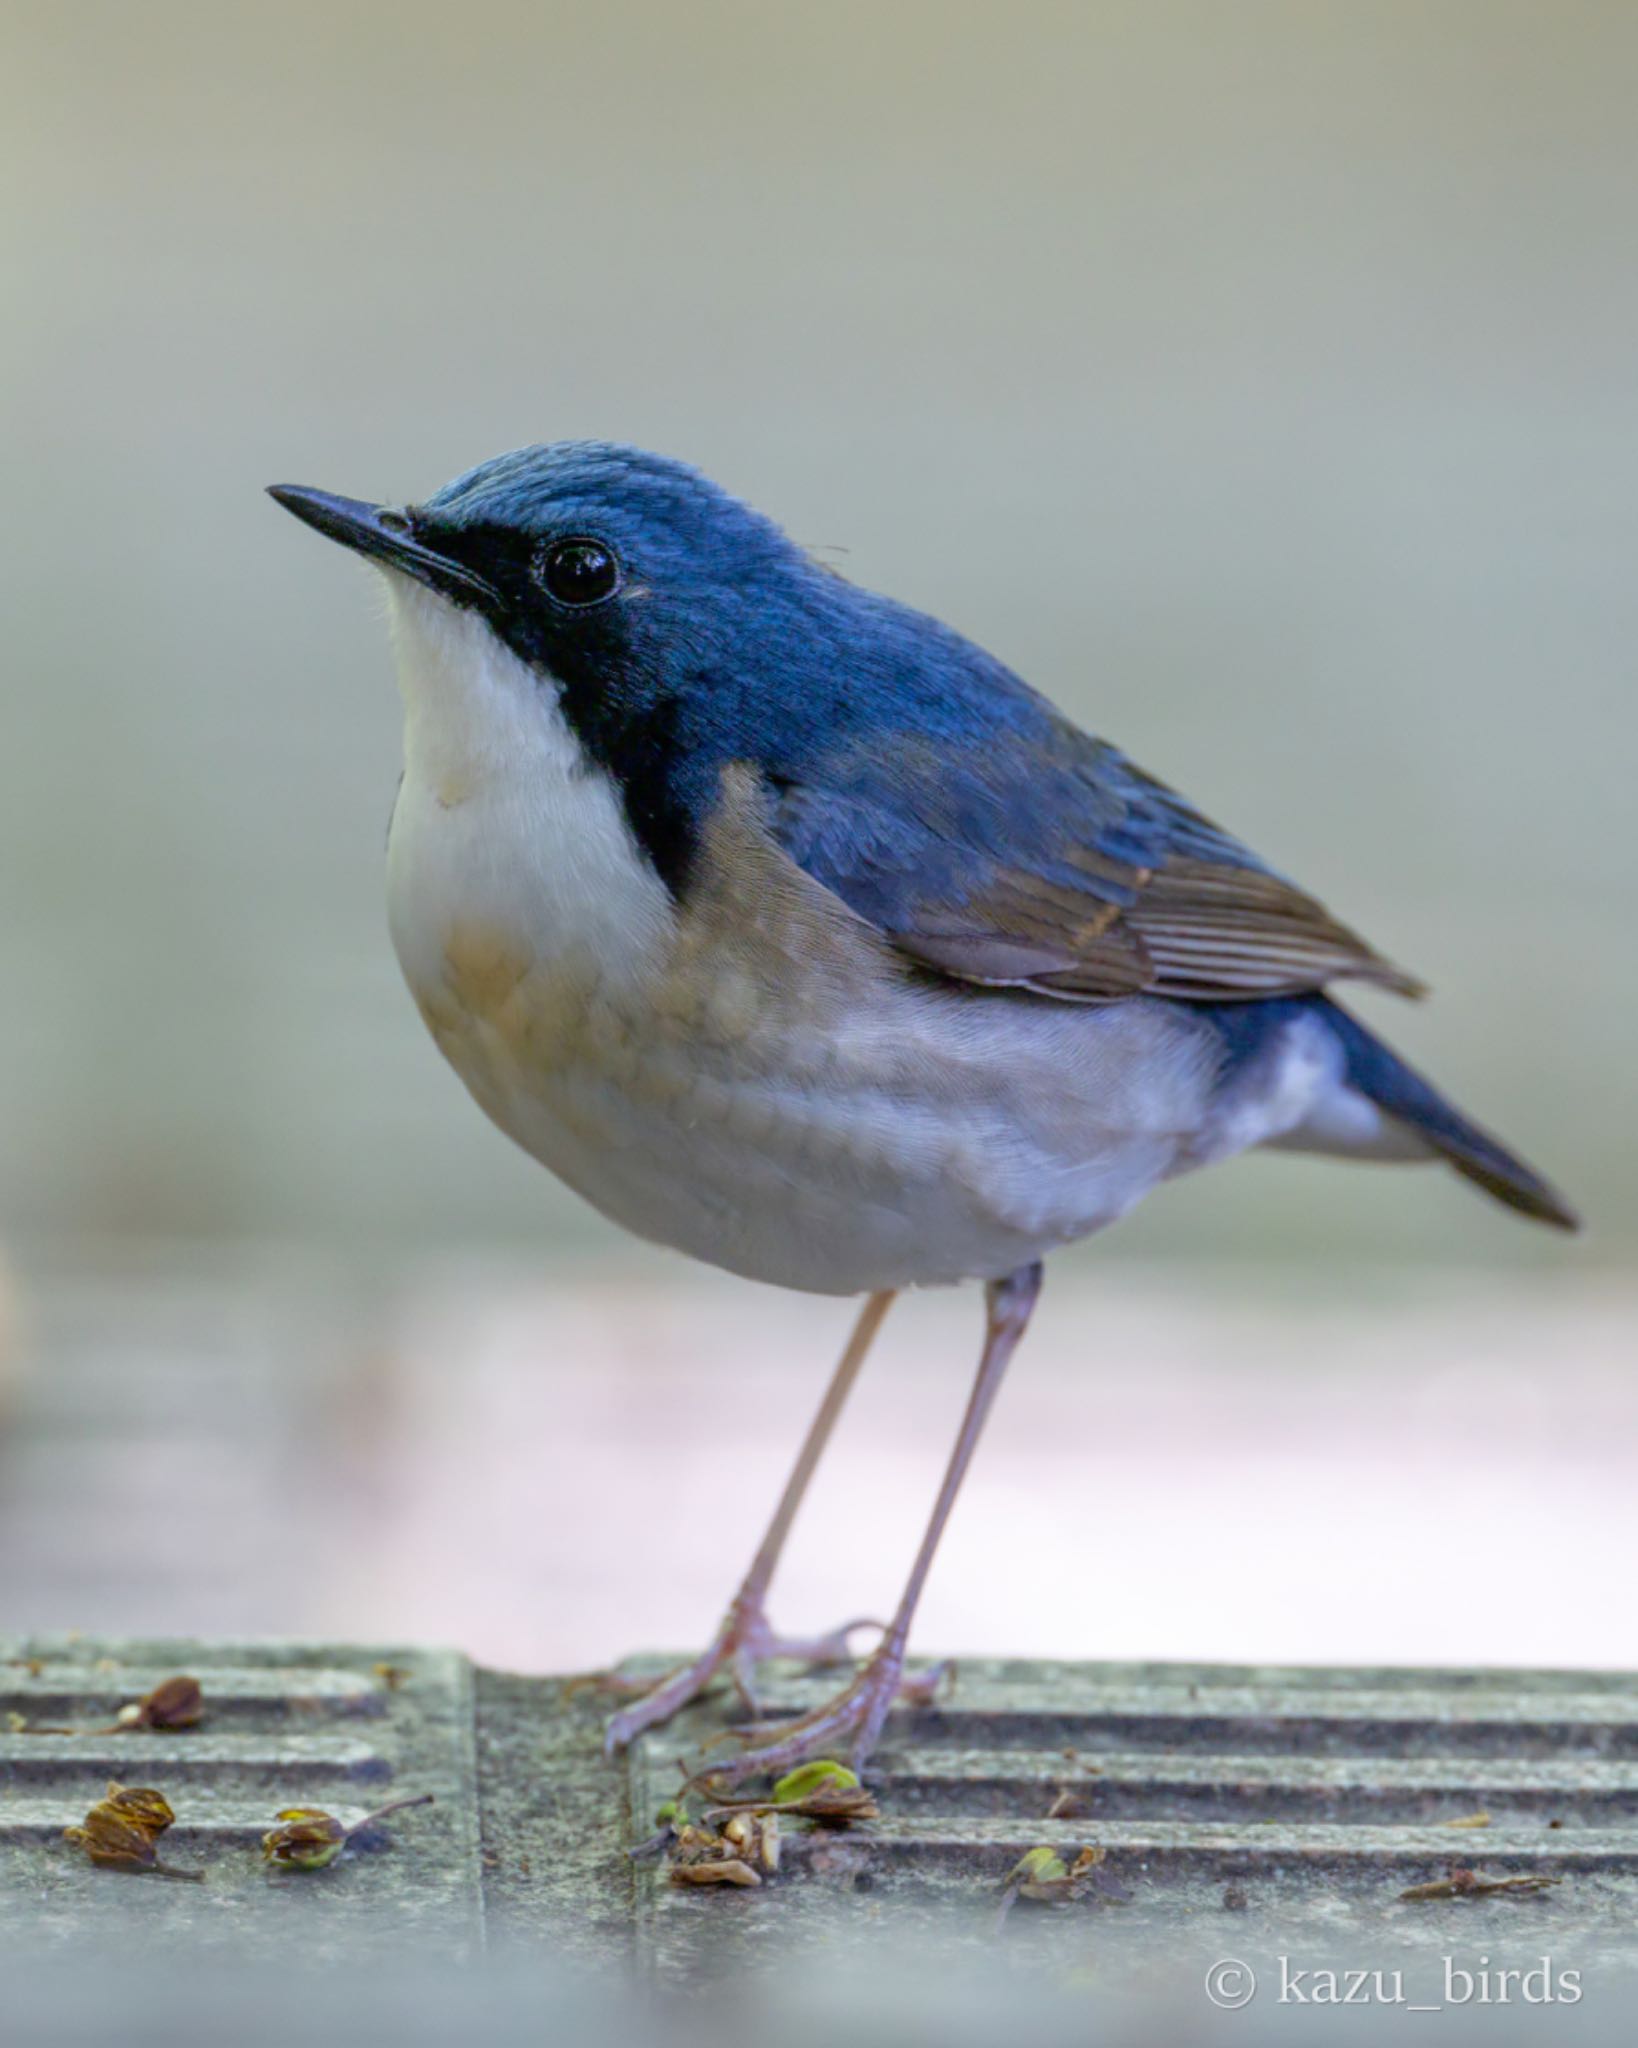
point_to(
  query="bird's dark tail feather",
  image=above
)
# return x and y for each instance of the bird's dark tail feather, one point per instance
(1380, 1074)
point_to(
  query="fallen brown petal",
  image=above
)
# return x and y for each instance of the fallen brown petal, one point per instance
(718, 1870)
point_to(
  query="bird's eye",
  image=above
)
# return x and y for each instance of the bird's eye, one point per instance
(580, 571)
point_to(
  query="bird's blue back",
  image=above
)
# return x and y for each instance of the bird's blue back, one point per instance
(901, 759)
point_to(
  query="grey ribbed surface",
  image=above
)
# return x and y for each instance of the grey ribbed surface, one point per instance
(287, 1725)
(1312, 1798)
(1318, 1796)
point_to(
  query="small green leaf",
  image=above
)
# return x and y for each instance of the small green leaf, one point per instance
(1039, 1866)
(823, 1774)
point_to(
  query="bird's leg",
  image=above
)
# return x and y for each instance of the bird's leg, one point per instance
(857, 1712)
(745, 1634)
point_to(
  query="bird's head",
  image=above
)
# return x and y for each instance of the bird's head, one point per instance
(674, 628)
(600, 566)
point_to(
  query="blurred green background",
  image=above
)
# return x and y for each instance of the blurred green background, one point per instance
(1257, 379)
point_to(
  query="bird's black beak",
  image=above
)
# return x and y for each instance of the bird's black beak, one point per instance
(386, 536)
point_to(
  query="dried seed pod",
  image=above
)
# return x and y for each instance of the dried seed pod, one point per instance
(107, 1839)
(141, 1806)
(175, 1703)
(308, 1838)
(121, 1829)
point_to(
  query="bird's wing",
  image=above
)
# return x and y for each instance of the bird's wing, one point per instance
(1044, 859)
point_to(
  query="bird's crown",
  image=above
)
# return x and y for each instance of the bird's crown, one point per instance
(653, 505)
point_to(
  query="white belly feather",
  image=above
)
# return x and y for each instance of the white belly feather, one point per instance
(755, 1083)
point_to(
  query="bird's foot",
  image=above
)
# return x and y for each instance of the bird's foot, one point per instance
(744, 1640)
(853, 1717)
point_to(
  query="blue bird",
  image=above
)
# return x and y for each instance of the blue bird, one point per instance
(794, 931)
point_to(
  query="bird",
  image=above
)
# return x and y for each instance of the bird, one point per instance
(797, 933)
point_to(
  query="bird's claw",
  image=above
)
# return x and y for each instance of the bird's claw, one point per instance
(758, 1643)
(855, 1714)
(745, 1639)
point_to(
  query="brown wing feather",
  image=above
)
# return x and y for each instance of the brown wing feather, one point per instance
(1046, 860)
(1196, 930)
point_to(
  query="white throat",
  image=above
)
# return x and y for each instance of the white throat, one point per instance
(503, 823)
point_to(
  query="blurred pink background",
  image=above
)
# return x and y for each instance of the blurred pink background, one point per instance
(1265, 1466)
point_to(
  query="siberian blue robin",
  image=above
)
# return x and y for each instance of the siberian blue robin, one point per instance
(796, 932)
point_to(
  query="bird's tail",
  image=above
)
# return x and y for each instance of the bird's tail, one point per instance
(1397, 1089)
